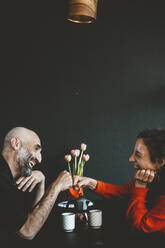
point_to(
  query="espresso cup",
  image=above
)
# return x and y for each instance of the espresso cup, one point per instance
(68, 221)
(95, 218)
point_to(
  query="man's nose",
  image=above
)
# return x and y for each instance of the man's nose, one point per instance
(39, 158)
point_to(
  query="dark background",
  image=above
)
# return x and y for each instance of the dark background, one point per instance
(95, 83)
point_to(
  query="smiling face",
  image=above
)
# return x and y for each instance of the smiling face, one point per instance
(29, 154)
(141, 157)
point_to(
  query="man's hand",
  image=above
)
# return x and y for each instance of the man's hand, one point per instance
(64, 181)
(24, 183)
(79, 182)
(143, 177)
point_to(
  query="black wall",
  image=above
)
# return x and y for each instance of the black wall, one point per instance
(97, 83)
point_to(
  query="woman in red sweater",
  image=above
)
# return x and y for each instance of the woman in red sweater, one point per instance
(146, 192)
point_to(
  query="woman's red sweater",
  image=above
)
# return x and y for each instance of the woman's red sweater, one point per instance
(137, 213)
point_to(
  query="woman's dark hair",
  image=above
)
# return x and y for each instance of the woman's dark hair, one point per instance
(154, 139)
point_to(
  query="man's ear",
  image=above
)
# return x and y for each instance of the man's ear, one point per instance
(15, 143)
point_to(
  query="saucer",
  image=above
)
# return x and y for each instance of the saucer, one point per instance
(64, 204)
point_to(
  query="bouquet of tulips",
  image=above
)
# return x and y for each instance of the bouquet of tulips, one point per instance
(78, 162)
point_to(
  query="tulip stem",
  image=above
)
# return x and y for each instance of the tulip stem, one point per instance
(75, 165)
(69, 169)
(82, 171)
(82, 166)
(79, 162)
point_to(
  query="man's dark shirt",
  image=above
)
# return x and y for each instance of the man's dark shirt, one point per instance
(14, 205)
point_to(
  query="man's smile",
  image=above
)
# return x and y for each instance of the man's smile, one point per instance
(31, 164)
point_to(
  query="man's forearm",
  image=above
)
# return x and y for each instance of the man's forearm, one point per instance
(40, 213)
(40, 192)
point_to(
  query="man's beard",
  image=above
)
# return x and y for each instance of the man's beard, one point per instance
(23, 160)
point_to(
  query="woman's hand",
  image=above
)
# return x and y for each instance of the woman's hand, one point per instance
(143, 177)
(79, 182)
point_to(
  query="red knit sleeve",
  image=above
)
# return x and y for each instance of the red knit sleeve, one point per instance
(112, 191)
(139, 216)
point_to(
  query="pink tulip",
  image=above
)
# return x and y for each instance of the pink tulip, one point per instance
(77, 153)
(68, 158)
(73, 153)
(85, 157)
(83, 147)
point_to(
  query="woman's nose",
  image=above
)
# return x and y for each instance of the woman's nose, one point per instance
(131, 159)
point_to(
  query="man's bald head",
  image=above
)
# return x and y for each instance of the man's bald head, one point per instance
(20, 132)
(24, 147)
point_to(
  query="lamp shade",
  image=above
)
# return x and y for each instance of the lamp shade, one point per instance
(82, 11)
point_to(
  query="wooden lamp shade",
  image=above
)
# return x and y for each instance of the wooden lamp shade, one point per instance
(82, 11)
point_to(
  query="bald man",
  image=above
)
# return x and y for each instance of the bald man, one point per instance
(21, 152)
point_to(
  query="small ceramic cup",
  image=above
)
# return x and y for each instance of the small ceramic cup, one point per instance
(68, 221)
(95, 218)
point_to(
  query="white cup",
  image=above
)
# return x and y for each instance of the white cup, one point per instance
(68, 221)
(95, 218)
